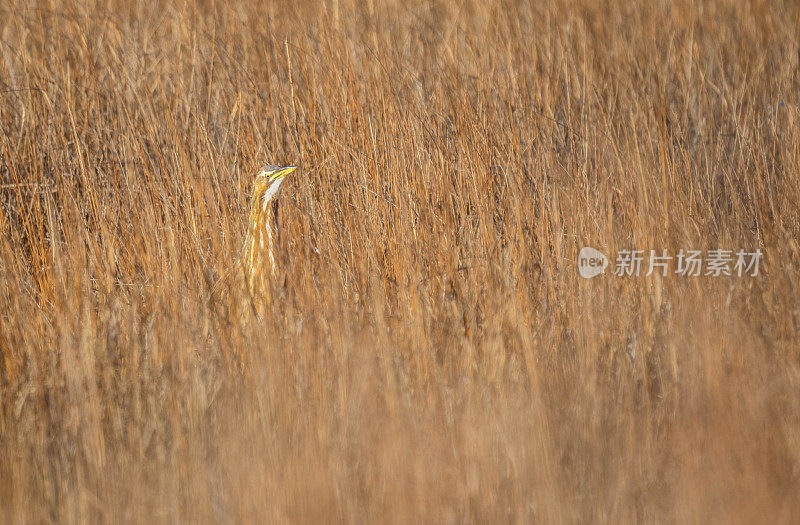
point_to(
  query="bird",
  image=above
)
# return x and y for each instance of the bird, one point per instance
(258, 252)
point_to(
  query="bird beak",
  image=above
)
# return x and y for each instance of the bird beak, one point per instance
(281, 173)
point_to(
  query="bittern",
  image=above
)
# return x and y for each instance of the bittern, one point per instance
(258, 257)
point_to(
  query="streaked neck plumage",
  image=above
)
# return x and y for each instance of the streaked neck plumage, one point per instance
(263, 230)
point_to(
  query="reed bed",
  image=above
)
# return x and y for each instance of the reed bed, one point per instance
(431, 353)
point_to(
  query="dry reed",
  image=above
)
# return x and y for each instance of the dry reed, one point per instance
(432, 353)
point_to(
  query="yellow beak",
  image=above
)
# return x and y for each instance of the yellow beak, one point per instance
(281, 173)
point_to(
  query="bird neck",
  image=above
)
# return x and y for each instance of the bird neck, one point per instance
(259, 258)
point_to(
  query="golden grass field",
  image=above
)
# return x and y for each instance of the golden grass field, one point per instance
(430, 353)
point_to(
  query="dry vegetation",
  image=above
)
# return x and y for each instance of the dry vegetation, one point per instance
(431, 352)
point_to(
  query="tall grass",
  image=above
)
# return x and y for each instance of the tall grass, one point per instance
(431, 352)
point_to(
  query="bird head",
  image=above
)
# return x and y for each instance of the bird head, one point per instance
(268, 182)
